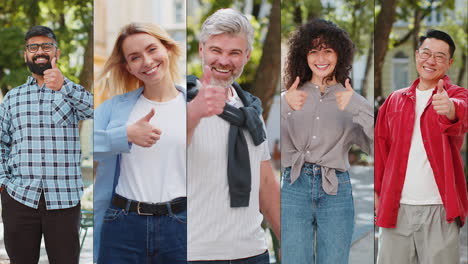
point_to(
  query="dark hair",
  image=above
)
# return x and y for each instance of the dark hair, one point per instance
(440, 35)
(304, 39)
(40, 31)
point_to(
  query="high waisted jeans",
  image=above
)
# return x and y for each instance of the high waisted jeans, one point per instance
(129, 238)
(315, 227)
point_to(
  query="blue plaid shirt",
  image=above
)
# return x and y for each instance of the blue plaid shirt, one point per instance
(40, 143)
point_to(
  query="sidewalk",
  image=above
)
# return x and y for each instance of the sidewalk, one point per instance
(362, 249)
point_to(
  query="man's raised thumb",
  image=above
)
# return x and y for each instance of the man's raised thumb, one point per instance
(54, 63)
(206, 78)
(440, 86)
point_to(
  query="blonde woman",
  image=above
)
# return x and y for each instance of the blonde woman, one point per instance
(140, 142)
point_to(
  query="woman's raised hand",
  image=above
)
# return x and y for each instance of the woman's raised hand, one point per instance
(343, 98)
(142, 133)
(295, 98)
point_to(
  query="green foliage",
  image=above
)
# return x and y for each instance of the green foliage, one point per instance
(458, 32)
(354, 16)
(13, 71)
(406, 12)
(357, 18)
(295, 13)
(70, 20)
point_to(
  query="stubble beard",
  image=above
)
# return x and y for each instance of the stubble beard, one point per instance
(223, 83)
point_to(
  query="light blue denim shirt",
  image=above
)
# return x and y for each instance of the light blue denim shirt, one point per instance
(40, 143)
(110, 140)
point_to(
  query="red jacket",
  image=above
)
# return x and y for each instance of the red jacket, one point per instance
(442, 140)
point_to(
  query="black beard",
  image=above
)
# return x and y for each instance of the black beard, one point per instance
(39, 68)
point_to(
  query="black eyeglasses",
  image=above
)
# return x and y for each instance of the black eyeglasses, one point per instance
(425, 54)
(33, 48)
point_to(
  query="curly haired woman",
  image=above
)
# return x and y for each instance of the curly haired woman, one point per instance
(321, 118)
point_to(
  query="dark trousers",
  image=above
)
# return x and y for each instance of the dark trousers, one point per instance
(24, 226)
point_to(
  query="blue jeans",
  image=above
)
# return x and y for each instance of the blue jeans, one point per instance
(315, 227)
(129, 238)
(263, 258)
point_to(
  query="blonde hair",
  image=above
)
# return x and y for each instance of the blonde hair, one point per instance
(118, 79)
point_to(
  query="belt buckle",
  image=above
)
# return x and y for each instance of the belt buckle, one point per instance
(140, 213)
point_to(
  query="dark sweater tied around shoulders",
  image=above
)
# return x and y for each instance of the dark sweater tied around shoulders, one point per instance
(246, 117)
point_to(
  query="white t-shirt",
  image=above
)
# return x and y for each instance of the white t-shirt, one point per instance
(215, 230)
(157, 174)
(420, 187)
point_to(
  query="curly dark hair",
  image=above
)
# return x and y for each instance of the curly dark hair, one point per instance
(318, 33)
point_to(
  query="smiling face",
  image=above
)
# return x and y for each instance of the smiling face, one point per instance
(226, 56)
(433, 68)
(322, 61)
(40, 60)
(146, 58)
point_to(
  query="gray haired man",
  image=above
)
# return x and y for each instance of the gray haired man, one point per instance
(231, 181)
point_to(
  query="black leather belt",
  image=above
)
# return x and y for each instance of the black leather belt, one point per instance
(177, 205)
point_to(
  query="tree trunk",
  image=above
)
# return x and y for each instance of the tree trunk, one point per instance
(86, 75)
(370, 56)
(417, 27)
(297, 15)
(419, 15)
(462, 71)
(383, 25)
(268, 72)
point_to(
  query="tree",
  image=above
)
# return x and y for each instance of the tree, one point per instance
(296, 13)
(268, 72)
(385, 18)
(71, 20)
(413, 13)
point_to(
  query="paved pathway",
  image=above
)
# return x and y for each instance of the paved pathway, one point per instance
(362, 179)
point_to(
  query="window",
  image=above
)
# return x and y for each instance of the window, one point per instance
(179, 11)
(400, 70)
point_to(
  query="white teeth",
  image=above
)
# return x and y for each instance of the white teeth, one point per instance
(151, 71)
(221, 70)
(321, 66)
(429, 69)
(41, 60)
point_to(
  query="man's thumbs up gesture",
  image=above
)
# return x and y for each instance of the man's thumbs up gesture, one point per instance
(442, 103)
(142, 133)
(342, 98)
(53, 78)
(210, 100)
(295, 98)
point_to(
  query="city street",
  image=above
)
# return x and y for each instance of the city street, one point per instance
(362, 250)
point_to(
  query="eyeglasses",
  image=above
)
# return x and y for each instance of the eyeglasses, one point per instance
(46, 47)
(425, 54)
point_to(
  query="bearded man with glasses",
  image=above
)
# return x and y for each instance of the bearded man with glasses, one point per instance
(40, 157)
(420, 188)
